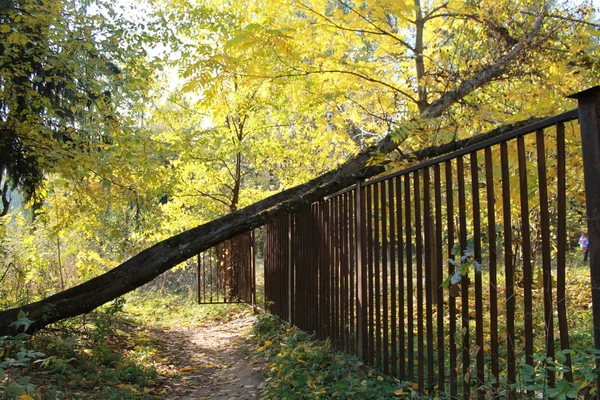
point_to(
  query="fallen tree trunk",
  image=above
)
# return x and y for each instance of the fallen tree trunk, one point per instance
(152, 262)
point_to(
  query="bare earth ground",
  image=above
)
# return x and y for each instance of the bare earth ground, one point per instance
(214, 362)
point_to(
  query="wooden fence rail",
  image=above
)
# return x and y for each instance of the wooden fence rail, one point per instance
(451, 273)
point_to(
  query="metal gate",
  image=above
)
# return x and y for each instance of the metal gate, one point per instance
(226, 272)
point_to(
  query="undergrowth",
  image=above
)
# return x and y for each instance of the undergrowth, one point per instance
(87, 357)
(110, 353)
(303, 367)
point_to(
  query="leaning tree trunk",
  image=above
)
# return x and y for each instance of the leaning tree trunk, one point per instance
(152, 262)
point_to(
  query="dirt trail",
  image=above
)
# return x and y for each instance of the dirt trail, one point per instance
(215, 362)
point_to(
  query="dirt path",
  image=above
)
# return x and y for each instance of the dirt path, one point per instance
(215, 362)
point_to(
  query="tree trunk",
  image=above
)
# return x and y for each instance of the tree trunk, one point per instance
(163, 256)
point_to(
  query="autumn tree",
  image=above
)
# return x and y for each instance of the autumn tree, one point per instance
(68, 77)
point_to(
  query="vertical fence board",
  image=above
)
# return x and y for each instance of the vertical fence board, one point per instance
(419, 277)
(377, 275)
(479, 344)
(462, 231)
(451, 268)
(492, 265)
(440, 277)
(393, 295)
(526, 252)
(384, 278)
(546, 261)
(352, 270)
(561, 245)
(429, 251)
(401, 291)
(370, 273)
(409, 280)
(508, 272)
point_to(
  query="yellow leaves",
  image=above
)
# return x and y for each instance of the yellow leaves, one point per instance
(410, 389)
(25, 396)
(126, 386)
(5, 28)
(267, 344)
(17, 38)
(189, 368)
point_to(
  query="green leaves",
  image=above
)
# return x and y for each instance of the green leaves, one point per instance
(64, 91)
(22, 323)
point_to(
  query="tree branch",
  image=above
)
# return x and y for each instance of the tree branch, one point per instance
(491, 72)
(379, 31)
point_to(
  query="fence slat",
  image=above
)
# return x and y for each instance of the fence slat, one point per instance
(377, 279)
(384, 277)
(419, 278)
(478, 280)
(429, 253)
(370, 273)
(451, 268)
(492, 261)
(561, 245)
(546, 261)
(401, 292)
(440, 277)
(526, 253)
(361, 259)
(393, 297)
(464, 287)
(508, 273)
(409, 280)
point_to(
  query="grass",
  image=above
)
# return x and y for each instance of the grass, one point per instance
(162, 311)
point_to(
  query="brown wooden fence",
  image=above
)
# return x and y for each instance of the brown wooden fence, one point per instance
(226, 272)
(452, 273)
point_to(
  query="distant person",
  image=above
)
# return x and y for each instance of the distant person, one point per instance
(584, 245)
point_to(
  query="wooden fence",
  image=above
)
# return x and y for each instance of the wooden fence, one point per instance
(452, 273)
(226, 272)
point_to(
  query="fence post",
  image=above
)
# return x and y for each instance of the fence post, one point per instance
(198, 269)
(290, 270)
(361, 277)
(253, 269)
(589, 122)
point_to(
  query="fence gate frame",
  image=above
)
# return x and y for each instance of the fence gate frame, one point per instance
(226, 273)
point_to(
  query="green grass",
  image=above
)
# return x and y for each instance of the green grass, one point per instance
(161, 311)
